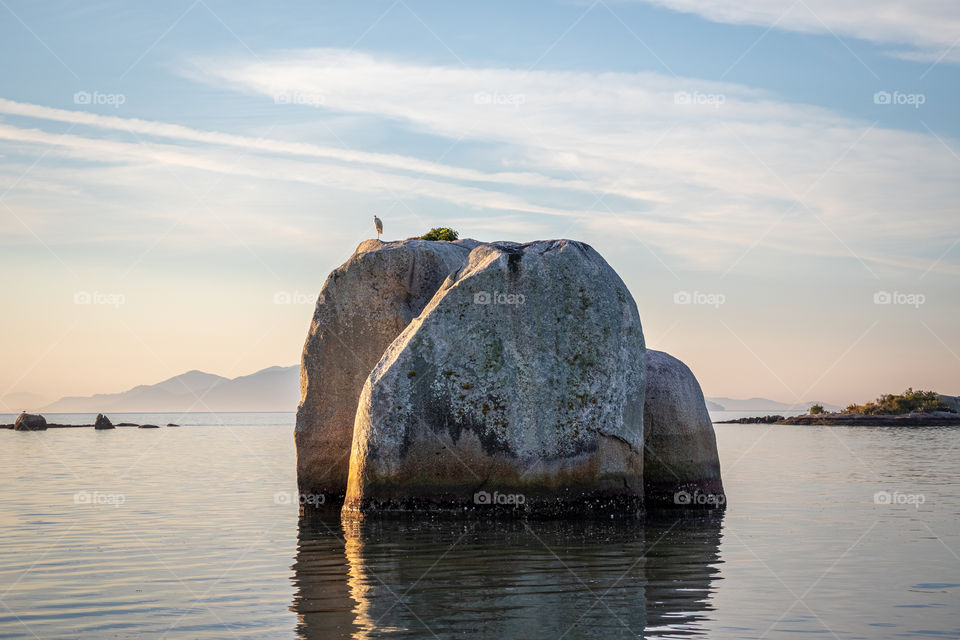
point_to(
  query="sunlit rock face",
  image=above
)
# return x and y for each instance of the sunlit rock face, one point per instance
(681, 464)
(519, 387)
(363, 306)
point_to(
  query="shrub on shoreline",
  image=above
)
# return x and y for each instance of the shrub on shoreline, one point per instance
(909, 401)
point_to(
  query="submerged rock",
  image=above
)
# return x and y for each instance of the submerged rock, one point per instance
(363, 306)
(519, 387)
(30, 422)
(148, 426)
(102, 422)
(681, 464)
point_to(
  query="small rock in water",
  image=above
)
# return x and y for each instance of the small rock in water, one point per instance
(102, 422)
(149, 426)
(30, 422)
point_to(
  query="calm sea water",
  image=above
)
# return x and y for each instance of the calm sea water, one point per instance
(190, 533)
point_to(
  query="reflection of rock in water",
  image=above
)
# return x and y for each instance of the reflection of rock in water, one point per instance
(681, 562)
(323, 602)
(406, 579)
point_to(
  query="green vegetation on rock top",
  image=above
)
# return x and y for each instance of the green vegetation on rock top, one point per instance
(909, 401)
(441, 233)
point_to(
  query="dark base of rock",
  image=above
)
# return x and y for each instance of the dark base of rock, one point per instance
(707, 494)
(487, 505)
(319, 503)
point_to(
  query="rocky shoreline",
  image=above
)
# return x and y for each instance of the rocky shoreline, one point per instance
(754, 420)
(53, 425)
(932, 419)
(36, 422)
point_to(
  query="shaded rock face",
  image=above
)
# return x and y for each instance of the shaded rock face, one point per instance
(681, 465)
(30, 422)
(520, 386)
(102, 422)
(362, 308)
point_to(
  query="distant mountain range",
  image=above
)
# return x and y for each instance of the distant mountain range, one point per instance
(762, 404)
(272, 389)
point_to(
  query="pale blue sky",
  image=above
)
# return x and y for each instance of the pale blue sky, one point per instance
(238, 150)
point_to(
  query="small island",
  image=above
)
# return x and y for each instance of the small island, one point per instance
(908, 409)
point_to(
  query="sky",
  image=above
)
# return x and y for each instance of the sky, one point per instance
(776, 181)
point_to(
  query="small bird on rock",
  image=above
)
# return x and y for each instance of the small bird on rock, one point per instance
(378, 223)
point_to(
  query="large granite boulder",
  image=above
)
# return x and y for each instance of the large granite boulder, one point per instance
(102, 422)
(364, 304)
(680, 463)
(519, 387)
(30, 422)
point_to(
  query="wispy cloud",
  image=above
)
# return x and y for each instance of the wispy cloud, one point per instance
(698, 169)
(925, 30)
(397, 162)
(719, 160)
